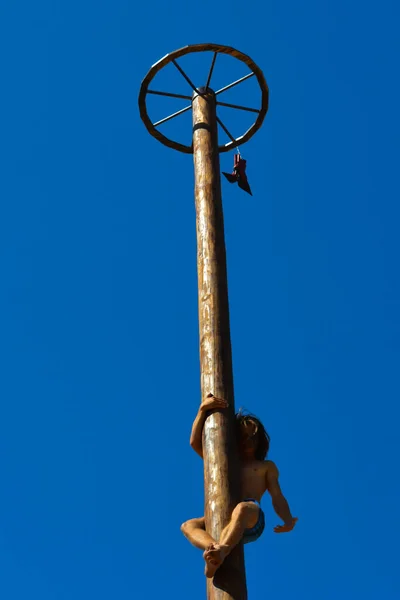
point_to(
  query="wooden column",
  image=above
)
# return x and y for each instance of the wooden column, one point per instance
(221, 475)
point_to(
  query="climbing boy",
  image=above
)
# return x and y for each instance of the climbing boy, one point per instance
(257, 476)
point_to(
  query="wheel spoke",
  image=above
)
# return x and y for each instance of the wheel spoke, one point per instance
(180, 112)
(255, 110)
(169, 94)
(230, 136)
(227, 87)
(211, 70)
(182, 72)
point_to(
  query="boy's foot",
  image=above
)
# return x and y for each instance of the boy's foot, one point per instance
(214, 556)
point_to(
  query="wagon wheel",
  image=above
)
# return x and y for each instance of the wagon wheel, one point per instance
(217, 49)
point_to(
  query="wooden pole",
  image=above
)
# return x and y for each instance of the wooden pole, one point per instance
(221, 473)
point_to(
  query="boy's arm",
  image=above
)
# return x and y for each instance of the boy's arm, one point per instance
(209, 403)
(197, 431)
(279, 501)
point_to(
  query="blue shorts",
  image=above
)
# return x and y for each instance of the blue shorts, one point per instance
(251, 535)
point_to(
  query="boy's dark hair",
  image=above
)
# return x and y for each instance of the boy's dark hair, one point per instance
(263, 437)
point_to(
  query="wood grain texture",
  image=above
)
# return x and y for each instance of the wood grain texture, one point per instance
(221, 474)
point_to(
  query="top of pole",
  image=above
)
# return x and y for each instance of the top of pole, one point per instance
(216, 49)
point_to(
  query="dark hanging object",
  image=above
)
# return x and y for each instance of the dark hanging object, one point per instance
(238, 174)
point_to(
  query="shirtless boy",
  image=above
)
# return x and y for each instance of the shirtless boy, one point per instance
(258, 475)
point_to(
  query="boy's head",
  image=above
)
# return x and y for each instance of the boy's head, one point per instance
(251, 435)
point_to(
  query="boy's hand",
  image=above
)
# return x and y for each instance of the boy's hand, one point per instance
(286, 527)
(211, 402)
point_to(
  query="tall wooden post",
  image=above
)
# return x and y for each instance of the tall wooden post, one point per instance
(221, 473)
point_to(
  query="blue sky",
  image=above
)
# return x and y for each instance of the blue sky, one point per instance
(98, 305)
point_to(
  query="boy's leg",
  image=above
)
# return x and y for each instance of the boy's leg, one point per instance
(195, 531)
(244, 516)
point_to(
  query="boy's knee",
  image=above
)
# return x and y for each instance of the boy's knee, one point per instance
(246, 513)
(191, 524)
(241, 510)
(184, 527)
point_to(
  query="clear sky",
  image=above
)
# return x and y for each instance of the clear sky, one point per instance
(98, 305)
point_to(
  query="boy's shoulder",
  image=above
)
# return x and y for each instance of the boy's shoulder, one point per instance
(264, 464)
(270, 467)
